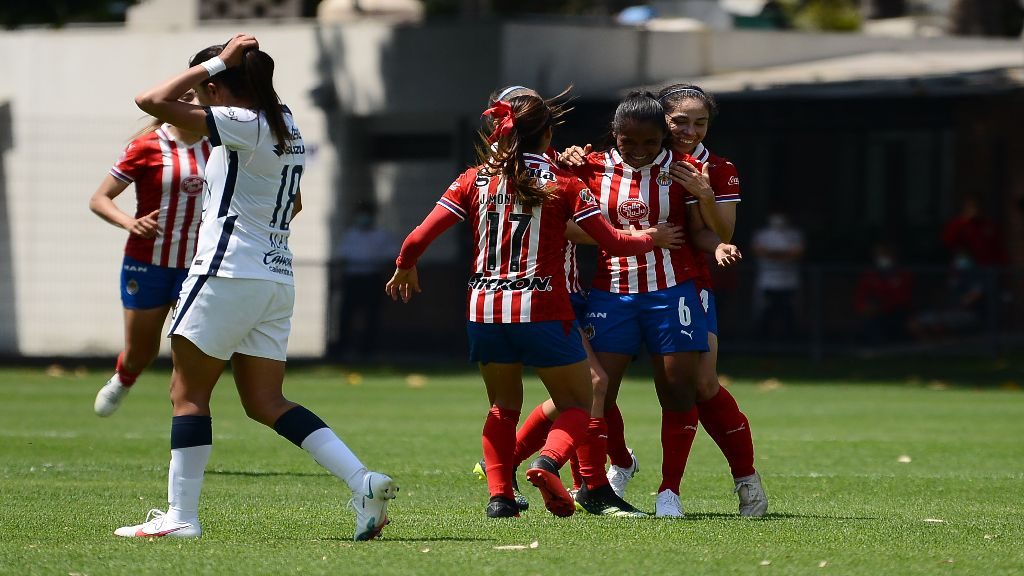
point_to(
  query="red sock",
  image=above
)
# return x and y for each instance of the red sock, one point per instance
(617, 451)
(499, 442)
(593, 454)
(729, 428)
(568, 431)
(127, 378)
(574, 467)
(531, 434)
(678, 429)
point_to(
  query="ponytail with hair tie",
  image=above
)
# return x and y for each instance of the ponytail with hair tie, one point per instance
(504, 118)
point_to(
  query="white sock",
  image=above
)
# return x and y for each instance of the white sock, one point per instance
(331, 453)
(185, 482)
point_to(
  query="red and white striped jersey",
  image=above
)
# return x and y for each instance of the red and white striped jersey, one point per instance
(641, 197)
(726, 184)
(168, 176)
(519, 270)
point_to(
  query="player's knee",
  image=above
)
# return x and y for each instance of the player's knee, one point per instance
(599, 384)
(707, 386)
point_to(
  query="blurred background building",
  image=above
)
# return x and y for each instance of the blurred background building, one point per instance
(867, 122)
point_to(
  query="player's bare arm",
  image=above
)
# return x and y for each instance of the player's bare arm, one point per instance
(162, 101)
(102, 204)
(719, 216)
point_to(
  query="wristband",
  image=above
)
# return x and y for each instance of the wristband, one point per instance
(214, 65)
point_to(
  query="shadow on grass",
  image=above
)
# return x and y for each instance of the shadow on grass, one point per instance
(771, 516)
(424, 539)
(257, 473)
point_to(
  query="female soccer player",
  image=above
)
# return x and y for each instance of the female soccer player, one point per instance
(713, 182)
(648, 300)
(518, 203)
(236, 303)
(166, 164)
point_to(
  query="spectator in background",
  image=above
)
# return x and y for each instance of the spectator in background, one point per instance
(366, 254)
(961, 307)
(971, 232)
(883, 297)
(779, 249)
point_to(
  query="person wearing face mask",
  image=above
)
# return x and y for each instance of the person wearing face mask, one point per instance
(779, 249)
(961, 306)
(883, 298)
(364, 252)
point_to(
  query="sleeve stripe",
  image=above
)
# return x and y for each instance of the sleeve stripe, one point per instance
(121, 176)
(452, 207)
(211, 126)
(586, 213)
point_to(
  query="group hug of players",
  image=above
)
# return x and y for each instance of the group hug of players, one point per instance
(656, 203)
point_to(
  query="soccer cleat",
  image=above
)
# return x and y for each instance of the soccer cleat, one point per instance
(544, 475)
(573, 492)
(110, 396)
(619, 477)
(501, 507)
(371, 505)
(157, 525)
(480, 469)
(603, 501)
(667, 505)
(753, 502)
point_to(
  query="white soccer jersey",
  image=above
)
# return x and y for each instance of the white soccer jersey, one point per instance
(251, 183)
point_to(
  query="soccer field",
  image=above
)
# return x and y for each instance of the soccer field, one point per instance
(894, 478)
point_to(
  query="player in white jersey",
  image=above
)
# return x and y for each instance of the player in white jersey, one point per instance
(237, 301)
(166, 165)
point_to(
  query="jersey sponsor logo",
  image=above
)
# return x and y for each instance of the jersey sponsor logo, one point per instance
(587, 196)
(597, 314)
(541, 174)
(290, 149)
(134, 268)
(527, 284)
(734, 180)
(663, 179)
(277, 262)
(633, 209)
(192, 186)
(688, 334)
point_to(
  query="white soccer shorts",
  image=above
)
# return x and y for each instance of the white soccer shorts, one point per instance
(226, 315)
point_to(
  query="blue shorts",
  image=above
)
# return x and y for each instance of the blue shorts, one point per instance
(666, 321)
(579, 305)
(707, 299)
(538, 344)
(145, 286)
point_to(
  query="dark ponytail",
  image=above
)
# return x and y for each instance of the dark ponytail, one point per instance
(501, 154)
(253, 79)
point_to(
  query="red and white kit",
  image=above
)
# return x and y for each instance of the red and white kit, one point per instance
(726, 184)
(520, 264)
(642, 197)
(168, 176)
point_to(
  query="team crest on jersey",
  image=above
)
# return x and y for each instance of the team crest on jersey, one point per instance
(587, 196)
(663, 179)
(633, 209)
(192, 186)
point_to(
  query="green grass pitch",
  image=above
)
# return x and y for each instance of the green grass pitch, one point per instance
(879, 478)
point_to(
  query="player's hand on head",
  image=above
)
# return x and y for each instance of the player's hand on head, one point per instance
(402, 284)
(727, 254)
(236, 48)
(574, 156)
(666, 235)
(148, 226)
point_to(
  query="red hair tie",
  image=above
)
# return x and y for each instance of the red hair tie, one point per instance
(504, 116)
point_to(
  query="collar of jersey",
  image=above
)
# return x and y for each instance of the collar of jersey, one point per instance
(659, 159)
(700, 152)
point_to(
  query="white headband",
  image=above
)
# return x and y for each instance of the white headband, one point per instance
(508, 91)
(678, 90)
